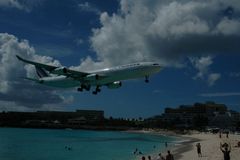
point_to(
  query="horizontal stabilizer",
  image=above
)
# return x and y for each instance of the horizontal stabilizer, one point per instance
(41, 68)
(45, 66)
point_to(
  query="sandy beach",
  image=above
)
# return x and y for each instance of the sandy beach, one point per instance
(210, 144)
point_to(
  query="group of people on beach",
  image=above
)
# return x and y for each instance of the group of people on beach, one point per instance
(220, 134)
(225, 148)
(169, 156)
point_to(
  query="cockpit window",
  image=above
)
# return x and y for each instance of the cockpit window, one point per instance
(155, 64)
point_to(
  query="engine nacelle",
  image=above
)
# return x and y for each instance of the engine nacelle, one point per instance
(114, 85)
(60, 71)
(91, 77)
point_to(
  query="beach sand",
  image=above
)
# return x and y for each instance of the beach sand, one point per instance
(210, 144)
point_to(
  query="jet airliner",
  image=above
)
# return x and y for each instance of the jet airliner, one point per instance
(111, 77)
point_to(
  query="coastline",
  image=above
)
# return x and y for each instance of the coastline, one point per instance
(186, 149)
(180, 148)
(182, 143)
(159, 132)
(211, 147)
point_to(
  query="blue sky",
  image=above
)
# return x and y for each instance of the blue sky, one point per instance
(196, 42)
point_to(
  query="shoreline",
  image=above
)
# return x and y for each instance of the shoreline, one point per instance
(210, 145)
(186, 149)
(182, 143)
(183, 147)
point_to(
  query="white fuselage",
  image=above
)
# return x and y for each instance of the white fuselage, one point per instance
(110, 75)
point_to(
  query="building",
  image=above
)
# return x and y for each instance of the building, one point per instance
(199, 115)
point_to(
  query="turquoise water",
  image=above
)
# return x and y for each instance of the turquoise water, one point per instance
(46, 144)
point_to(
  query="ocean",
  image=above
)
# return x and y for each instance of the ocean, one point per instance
(52, 144)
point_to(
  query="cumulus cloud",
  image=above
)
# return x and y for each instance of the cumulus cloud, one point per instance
(212, 78)
(202, 65)
(166, 31)
(228, 27)
(16, 90)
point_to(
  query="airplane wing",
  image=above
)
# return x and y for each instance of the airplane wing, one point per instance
(56, 70)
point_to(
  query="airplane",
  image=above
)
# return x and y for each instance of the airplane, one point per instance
(111, 77)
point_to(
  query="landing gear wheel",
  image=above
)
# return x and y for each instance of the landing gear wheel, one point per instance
(80, 89)
(146, 79)
(97, 90)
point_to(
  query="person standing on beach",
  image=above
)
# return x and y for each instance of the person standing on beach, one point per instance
(149, 158)
(226, 152)
(198, 145)
(227, 134)
(169, 156)
(143, 158)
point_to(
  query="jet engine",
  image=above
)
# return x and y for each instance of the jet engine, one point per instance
(114, 85)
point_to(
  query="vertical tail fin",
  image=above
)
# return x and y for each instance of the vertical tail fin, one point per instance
(41, 72)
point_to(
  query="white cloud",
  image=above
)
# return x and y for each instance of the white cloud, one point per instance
(16, 90)
(212, 78)
(87, 7)
(11, 106)
(220, 94)
(228, 27)
(202, 65)
(166, 31)
(11, 4)
(25, 5)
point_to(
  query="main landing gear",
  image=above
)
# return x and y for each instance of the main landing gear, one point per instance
(146, 79)
(86, 87)
(97, 90)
